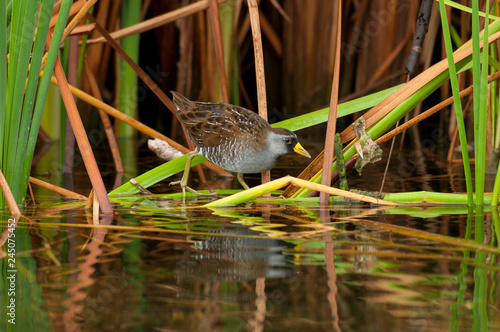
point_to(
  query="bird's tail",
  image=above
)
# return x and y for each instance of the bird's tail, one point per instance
(182, 103)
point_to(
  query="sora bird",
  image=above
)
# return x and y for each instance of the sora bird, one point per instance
(233, 138)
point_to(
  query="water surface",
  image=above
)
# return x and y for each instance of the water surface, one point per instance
(161, 264)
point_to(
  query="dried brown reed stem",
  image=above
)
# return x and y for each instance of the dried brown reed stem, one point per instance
(95, 211)
(332, 114)
(219, 47)
(32, 195)
(108, 127)
(389, 61)
(82, 140)
(84, 29)
(138, 70)
(260, 73)
(280, 10)
(9, 198)
(78, 17)
(144, 9)
(267, 29)
(271, 35)
(99, 55)
(186, 45)
(206, 69)
(90, 200)
(184, 76)
(56, 189)
(57, 7)
(69, 142)
(157, 21)
(308, 55)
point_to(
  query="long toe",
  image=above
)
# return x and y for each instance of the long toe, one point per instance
(192, 191)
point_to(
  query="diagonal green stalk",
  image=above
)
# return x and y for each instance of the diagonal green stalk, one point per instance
(456, 98)
(454, 4)
(349, 107)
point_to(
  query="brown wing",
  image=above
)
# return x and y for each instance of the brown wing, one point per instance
(213, 124)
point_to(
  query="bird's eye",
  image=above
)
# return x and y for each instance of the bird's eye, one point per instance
(287, 140)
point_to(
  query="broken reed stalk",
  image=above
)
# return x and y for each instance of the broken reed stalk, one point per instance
(332, 114)
(108, 127)
(82, 140)
(56, 189)
(90, 200)
(263, 189)
(219, 47)
(9, 198)
(260, 73)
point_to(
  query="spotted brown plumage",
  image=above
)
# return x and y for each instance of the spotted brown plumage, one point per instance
(234, 138)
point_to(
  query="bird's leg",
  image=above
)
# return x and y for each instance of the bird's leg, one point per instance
(185, 176)
(239, 176)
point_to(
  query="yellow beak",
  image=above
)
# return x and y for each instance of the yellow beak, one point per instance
(300, 150)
